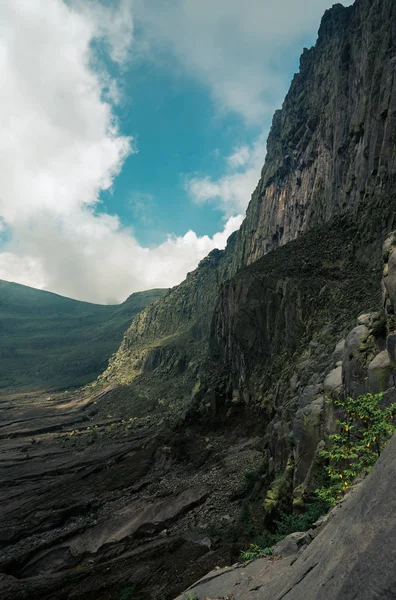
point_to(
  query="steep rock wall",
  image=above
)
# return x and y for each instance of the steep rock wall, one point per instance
(332, 146)
(331, 151)
(277, 305)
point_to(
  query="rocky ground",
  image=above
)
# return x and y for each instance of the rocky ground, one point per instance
(350, 556)
(93, 507)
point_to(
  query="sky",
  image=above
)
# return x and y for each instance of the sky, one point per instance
(133, 133)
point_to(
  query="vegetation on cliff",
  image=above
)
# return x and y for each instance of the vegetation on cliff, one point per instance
(362, 434)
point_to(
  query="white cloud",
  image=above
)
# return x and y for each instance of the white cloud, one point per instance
(96, 259)
(113, 24)
(239, 49)
(232, 191)
(240, 157)
(60, 147)
(24, 269)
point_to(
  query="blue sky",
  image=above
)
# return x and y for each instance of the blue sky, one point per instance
(179, 131)
(135, 151)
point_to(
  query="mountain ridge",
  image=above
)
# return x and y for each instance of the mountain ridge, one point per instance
(51, 342)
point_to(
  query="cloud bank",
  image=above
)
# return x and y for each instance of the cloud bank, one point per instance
(61, 146)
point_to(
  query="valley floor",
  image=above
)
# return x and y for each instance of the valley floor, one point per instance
(93, 507)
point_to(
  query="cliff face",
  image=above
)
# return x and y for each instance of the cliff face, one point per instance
(173, 331)
(332, 146)
(254, 328)
(274, 307)
(331, 151)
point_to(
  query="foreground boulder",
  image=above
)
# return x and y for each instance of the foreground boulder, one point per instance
(353, 556)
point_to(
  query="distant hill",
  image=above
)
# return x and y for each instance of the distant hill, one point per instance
(50, 342)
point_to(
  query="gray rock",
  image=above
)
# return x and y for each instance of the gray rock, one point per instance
(321, 522)
(391, 347)
(137, 520)
(333, 381)
(353, 556)
(309, 393)
(388, 245)
(307, 434)
(314, 380)
(358, 352)
(379, 372)
(355, 338)
(388, 398)
(294, 383)
(368, 319)
(339, 351)
(291, 544)
(390, 280)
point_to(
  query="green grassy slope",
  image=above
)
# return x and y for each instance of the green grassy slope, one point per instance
(49, 342)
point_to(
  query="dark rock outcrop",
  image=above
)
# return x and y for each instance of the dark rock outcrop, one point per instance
(89, 511)
(351, 557)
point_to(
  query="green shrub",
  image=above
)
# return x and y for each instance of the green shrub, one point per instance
(289, 523)
(255, 551)
(283, 526)
(361, 437)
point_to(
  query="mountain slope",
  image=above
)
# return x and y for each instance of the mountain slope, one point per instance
(249, 336)
(51, 342)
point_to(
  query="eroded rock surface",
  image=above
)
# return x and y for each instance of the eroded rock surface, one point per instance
(351, 557)
(88, 510)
